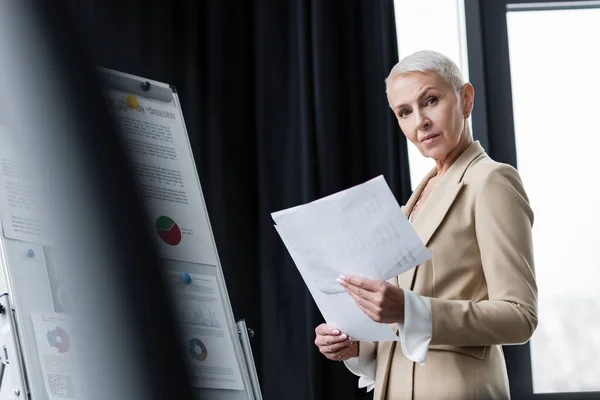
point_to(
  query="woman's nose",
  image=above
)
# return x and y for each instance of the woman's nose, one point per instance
(423, 122)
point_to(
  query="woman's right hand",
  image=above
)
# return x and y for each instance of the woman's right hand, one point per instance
(335, 345)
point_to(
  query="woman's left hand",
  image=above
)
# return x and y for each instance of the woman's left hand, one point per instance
(380, 300)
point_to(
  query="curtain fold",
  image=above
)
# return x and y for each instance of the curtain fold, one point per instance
(284, 102)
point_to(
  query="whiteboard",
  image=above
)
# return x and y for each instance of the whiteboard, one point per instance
(174, 192)
(164, 165)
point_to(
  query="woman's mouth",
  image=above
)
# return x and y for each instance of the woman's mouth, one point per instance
(429, 139)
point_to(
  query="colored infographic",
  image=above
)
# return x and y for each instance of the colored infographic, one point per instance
(59, 339)
(168, 230)
(198, 349)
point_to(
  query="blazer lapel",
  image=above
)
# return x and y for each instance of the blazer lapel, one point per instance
(439, 202)
(434, 210)
(405, 279)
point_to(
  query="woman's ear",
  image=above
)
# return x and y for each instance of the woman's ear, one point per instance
(468, 97)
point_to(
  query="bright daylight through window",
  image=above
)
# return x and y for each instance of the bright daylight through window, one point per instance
(555, 102)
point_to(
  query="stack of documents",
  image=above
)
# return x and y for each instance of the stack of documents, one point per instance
(360, 231)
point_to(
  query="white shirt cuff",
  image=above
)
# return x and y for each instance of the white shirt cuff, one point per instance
(415, 332)
(364, 365)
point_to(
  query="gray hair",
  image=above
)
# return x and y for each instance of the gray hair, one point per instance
(428, 61)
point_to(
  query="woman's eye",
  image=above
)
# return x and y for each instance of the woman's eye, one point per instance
(431, 101)
(403, 113)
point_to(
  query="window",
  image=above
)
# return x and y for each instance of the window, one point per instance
(553, 63)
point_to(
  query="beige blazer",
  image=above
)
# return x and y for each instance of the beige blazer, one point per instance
(477, 223)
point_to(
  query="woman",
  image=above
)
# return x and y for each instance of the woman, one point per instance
(478, 292)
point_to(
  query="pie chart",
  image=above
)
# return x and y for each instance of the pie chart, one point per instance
(198, 349)
(59, 339)
(168, 230)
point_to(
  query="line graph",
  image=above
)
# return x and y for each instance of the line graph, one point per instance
(197, 317)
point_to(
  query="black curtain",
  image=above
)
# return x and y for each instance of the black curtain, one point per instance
(284, 102)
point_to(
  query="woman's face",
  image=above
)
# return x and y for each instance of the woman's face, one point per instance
(429, 112)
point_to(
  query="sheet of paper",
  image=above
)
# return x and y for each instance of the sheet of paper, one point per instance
(156, 141)
(207, 341)
(360, 231)
(56, 353)
(340, 310)
(19, 212)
